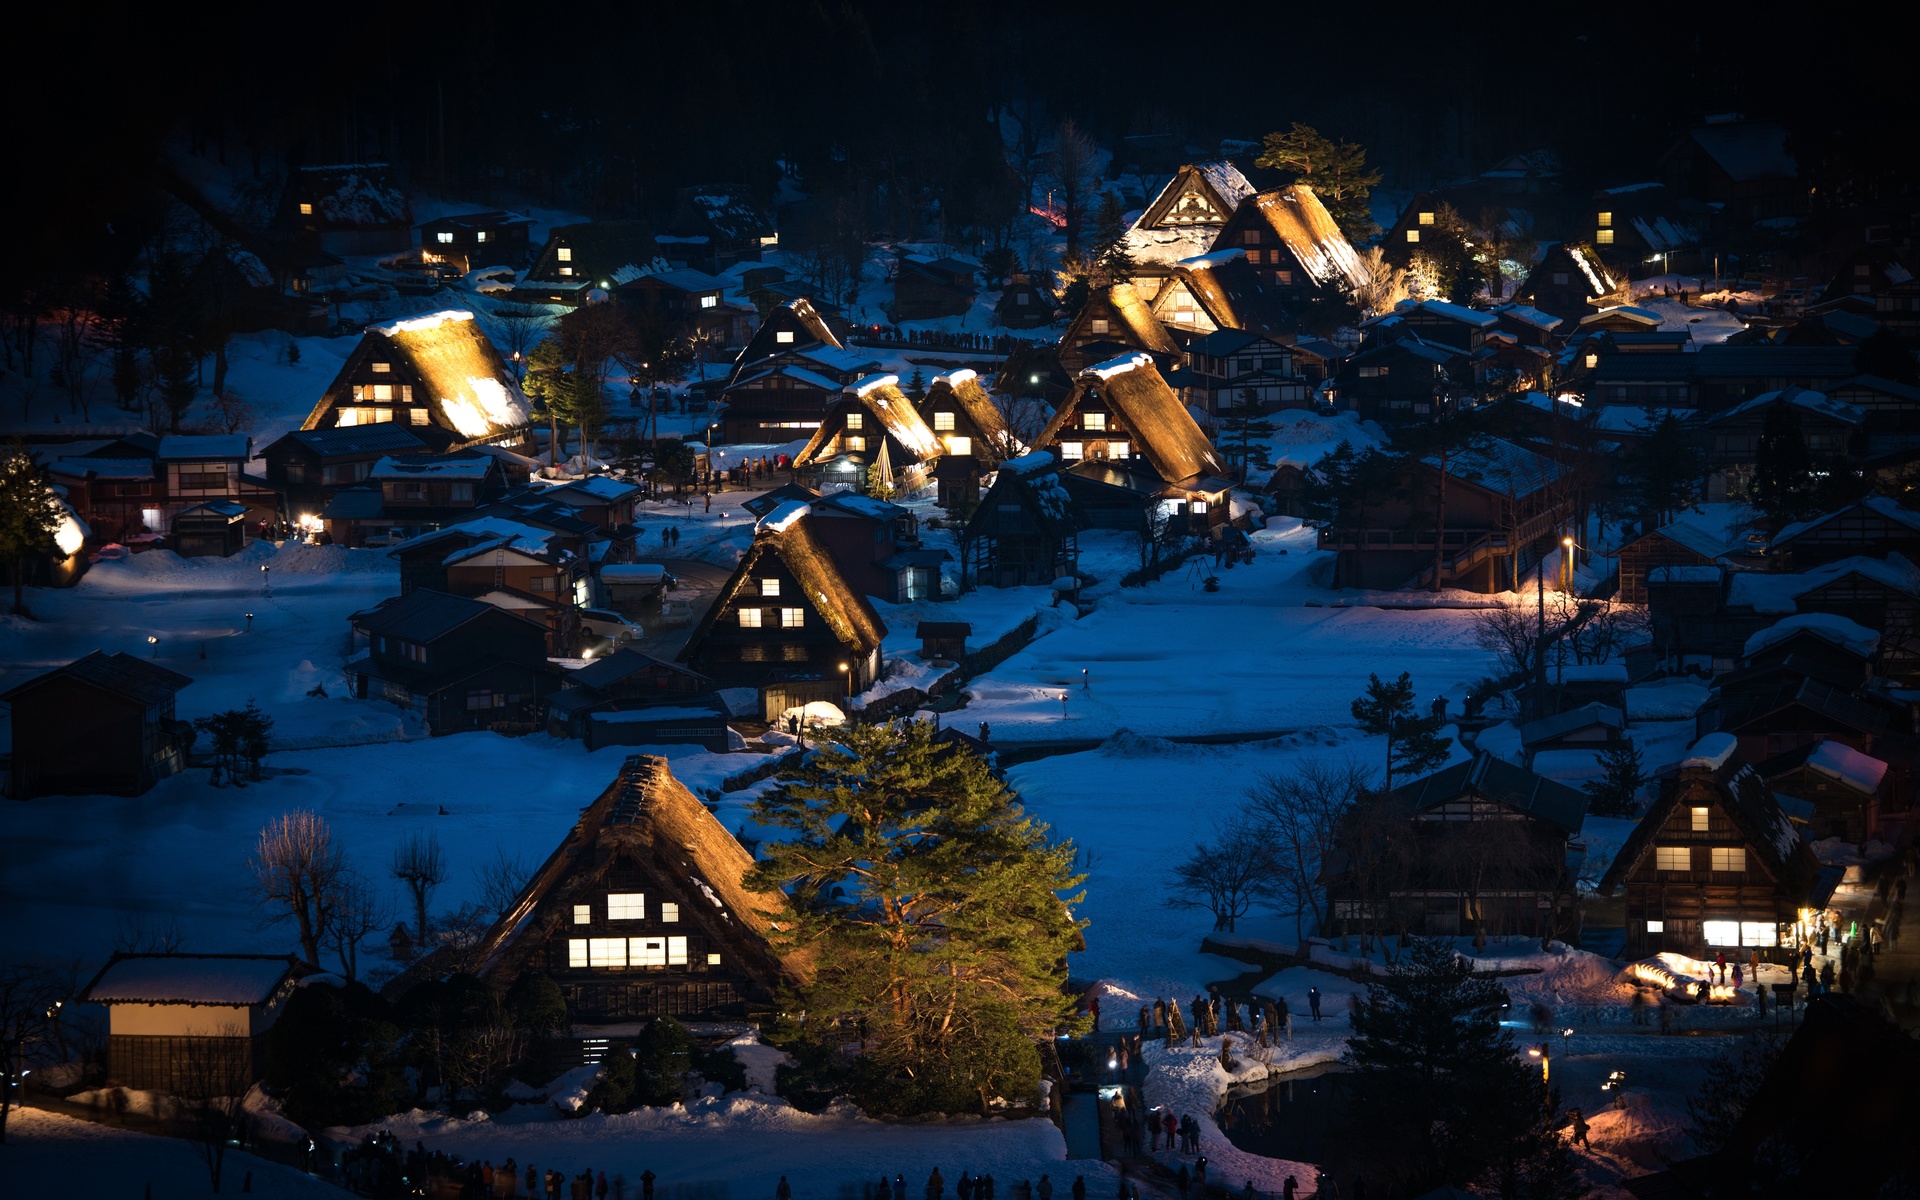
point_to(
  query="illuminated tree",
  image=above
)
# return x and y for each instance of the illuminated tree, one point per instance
(1336, 171)
(29, 515)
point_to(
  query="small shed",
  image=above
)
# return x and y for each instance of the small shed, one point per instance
(181, 1023)
(216, 529)
(631, 587)
(943, 639)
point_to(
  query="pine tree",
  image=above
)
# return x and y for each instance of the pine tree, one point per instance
(1617, 792)
(936, 909)
(1113, 263)
(1784, 489)
(1669, 464)
(917, 385)
(1439, 1079)
(1414, 745)
(1337, 172)
(29, 516)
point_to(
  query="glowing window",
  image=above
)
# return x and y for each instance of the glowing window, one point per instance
(382, 368)
(1721, 933)
(421, 416)
(792, 618)
(446, 238)
(648, 952)
(856, 442)
(1603, 236)
(1071, 451)
(577, 952)
(564, 254)
(306, 210)
(383, 391)
(713, 960)
(606, 952)
(1700, 820)
(769, 587)
(709, 302)
(583, 914)
(1426, 218)
(959, 445)
(669, 911)
(1656, 926)
(676, 952)
(749, 618)
(1198, 506)
(943, 422)
(1098, 325)
(1413, 235)
(1119, 449)
(1093, 422)
(1593, 360)
(1606, 220)
(1729, 858)
(481, 236)
(626, 906)
(784, 337)
(856, 420)
(1759, 933)
(1672, 858)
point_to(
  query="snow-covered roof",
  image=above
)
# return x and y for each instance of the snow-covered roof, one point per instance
(1627, 418)
(1849, 635)
(1862, 772)
(223, 979)
(464, 466)
(1460, 313)
(1771, 592)
(1310, 232)
(1664, 234)
(604, 487)
(1027, 464)
(684, 278)
(1644, 316)
(1713, 751)
(1118, 365)
(1885, 506)
(459, 369)
(1530, 316)
(633, 573)
(1664, 702)
(811, 378)
(1501, 466)
(1213, 258)
(353, 194)
(483, 528)
(1704, 542)
(784, 517)
(179, 447)
(1597, 277)
(1170, 245)
(1805, 399)
(1747, 150)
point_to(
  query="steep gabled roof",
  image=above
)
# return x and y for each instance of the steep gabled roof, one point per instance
(1033, 482)
(462, 377)
(881, 396)
(1883, 506)
(1226, 287)
(1219, 186)
(1486, 777)
(1747, 151)
(787, 534)
(1805, 399)
(964, 386)
(1302, 222)
(1138, 325)
(1748, 803)
(622, 664)
(798, 317)
(612, 252)
(424, 614)
(650, 817)
(1158, 423)
(122, 674)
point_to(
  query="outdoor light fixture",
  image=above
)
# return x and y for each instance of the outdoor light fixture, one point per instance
(249, 622)
(155, 643)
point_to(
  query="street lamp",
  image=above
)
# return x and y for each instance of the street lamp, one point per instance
(266, 580)
(155, 643)
(249, 622)
(1540, 1052)
(1566, 564)
(844, 670)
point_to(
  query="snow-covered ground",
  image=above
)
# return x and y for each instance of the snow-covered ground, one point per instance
(49, 1154)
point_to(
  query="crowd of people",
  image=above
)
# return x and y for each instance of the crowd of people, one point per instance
(380, 1166)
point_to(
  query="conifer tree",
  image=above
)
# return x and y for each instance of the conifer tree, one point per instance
(1617, 792)
(936, 910)
(1414, 744)
(29, 516)
(1337, 172)
(1784, 489)
(1669, 465)
(1113, 263)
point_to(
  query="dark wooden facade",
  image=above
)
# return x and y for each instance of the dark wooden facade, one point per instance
(1025, 531)
(470, 241)
(101, 724)
(461, 663)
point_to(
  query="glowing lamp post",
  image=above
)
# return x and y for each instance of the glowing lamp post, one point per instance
(266, 580)
(249, 622)
(154, 642)
(848, 672)
(1566, 564)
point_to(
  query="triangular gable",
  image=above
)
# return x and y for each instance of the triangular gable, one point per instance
(1198, 194)
(1158, 423)
(880, 396)
(969, 397)
(1128, 318)
(797, 318)
(789, 536)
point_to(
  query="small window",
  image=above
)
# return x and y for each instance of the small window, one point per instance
(959, 445)
(856, 442)
(676, 952)
(713, 960)
(566, 271)
(669, 911)
(749, 618)
(1672, 858)
(1093, 422)
(1426, 218)
(1700, 819)
(1560, 279)
(769, 587)
(1021, 299)
(1605, 220)
(1198, 506)
(1072, 451)
(1656, 926)
(626, 906)
(382, 368)
(856, 420)
(1098, 325)
(1730, 858)
(583, 914)
(943, 422)
(1413, 235)
(306, 210)
(564, 254)
(383, 391)
(1592, 360)
(783, 336)
(1250, 237)
(709, 302)
(1119, 449)
(792, 618)
(482, 236)
(446, 238)
(1603, 237)
(577, 952)
(1285, 277)
(420, 416)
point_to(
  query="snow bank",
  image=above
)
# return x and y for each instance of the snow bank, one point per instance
(1665, 702)
(1854, 637)
(1713, 751)
(1859, 771)
(1192, 1082)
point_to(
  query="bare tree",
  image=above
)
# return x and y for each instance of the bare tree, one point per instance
(1386, 284)
(358, 914)
(28, 996)
(210, 1081)
(1071, 164)
(1026, 418)
(150, 933)
(473, 1060)
(1298, 816)
(460, 936)
(421, 867)
(1511, 635)
(297, 872)
(501, 881)
(520, 327)
(1224, 876)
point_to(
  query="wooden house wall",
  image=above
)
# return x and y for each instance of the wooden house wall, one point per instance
(1643, 554)
(1683, 900)
(72, 738)
(752, 656)
(1838, 810)
(1859, 530)
(777, 409)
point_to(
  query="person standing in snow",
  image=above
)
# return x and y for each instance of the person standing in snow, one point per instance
(646, 1185)
(1579, 1129)
(1045, 1190)
(1159, 1013)
(1313, 1001)
(1185, 1181)
(965, 1187)
(783, 1191)
(1093, 1008)
(936, 1186)
(1146, 1022)
(1170, 1126)
(1079, 1187)
(899, 1186)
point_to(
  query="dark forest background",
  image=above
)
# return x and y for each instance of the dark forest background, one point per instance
(608, 107)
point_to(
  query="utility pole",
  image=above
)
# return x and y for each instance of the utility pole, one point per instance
(1540, 640)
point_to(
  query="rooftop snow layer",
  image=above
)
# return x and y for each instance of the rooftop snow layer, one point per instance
(1836, 629)
(784, 517)
(1672, 702)
(1862, 772)
(873, 383)
(1713, 751)
(1119, 366)
(189, 979)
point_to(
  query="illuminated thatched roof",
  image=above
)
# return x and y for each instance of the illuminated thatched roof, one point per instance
(787, 534)
(459, 375)
(1302, 222)
(649, 818)
(1157, 422)
(1129, 322)
(881, 396)
(800, 323)
(964, 386)
(1226, 288)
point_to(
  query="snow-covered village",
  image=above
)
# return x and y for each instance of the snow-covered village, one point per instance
(973, 600)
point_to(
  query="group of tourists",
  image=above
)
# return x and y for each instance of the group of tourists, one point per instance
(1266, 1020)
(379, 1166)
(970, 1187)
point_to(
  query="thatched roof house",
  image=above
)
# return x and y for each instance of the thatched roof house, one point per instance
(439, 369)
(788, 615)
(872, 411)
(1134, 414)
(1183, 219)
(1215, 291)
(1301, 251)
(348, 208)
(595, 254)
(956, 406)
(641, 911)
(1112, 320)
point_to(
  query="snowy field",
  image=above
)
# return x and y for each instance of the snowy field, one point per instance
(48, 1154)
